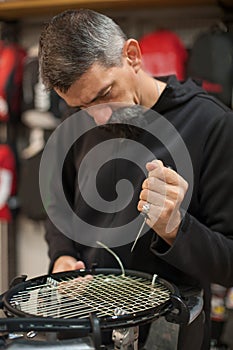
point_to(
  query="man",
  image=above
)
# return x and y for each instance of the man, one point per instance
(88, 61)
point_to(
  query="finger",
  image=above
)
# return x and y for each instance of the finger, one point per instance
(153, 207)
(167, 175)
(140, 204)
(156, 163)
(76, 285)
(79, 265)
(154, 184)
(155, 187)
(155, 196)
(154, 212)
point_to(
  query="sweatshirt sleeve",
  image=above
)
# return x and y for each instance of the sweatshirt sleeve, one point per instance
(204, 244)
(58, 227)
(58, 244)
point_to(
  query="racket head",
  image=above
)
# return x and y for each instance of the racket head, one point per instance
(117, 300)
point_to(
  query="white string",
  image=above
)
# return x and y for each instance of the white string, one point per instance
(115, 256)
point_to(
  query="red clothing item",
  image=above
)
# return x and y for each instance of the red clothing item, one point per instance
(7, 162)
(164, 53)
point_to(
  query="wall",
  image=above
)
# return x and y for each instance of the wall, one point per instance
(187, 22)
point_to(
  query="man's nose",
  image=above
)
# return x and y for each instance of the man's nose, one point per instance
(100, 113)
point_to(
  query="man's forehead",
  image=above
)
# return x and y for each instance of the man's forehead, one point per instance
(90, 84)
(96, 72)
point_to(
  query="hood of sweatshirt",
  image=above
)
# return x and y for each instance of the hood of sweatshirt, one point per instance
(176, 93)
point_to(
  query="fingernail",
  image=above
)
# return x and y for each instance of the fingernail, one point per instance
(151, 166)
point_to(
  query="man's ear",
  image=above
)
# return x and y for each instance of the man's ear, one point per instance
(132, 52)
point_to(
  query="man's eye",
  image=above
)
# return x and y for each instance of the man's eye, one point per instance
(106, 93)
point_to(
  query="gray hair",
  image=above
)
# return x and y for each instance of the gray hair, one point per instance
(72, 41)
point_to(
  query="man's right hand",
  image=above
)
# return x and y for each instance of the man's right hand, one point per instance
(67, 263)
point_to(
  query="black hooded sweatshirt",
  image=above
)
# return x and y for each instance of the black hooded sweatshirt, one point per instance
(203, 250)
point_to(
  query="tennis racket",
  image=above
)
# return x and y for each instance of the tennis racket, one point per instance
(89, 301)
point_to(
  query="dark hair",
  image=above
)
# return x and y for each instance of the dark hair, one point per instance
(72, 41)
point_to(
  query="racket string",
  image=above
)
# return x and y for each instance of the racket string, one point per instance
(102, 294)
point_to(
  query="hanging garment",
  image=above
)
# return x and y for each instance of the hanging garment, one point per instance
(11, 73)
(164, 53)
(211, 62)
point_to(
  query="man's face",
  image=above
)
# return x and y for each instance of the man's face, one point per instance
(101, 86)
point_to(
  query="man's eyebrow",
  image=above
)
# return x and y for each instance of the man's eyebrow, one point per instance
(99, 93)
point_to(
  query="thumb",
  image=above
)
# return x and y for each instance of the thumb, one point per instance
(154, 164)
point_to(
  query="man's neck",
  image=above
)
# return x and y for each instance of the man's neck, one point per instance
(151, 90)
